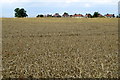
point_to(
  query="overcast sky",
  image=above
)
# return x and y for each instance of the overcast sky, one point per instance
(35, 7)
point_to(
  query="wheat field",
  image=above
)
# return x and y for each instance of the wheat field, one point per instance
(60, 47)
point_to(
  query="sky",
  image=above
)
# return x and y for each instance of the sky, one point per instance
(35, 7)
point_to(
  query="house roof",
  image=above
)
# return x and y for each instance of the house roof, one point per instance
(109, 15)
(88, 15)
(65, 15)
(56, 14)
(100, 15)
(77, 15)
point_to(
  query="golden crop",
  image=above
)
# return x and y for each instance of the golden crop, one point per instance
(60, 47)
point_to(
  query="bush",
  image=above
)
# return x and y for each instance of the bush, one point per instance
(40, 15)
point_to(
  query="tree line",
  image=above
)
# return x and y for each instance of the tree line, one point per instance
(23, 13)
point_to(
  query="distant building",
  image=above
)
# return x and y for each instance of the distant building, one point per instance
(56, 15)
(65, 15)
(109, 15)
(78, 16)
(100, 15)
(88, 16)
(49, 15)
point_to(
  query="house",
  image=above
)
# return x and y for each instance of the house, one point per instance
(66, 15)
(78, 16)
(56, 15)
(109, 15)
(88, 16)
(49, 15)
(100, 15)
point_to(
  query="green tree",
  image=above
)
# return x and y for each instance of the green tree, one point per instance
(20, 12)
(113, 15)
(96, 14)
(89, 15)
(40, 15)
(65, 13)
(117, 16)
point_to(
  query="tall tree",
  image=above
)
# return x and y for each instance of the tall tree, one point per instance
(20, 12)
(113, 15)
(96, 14)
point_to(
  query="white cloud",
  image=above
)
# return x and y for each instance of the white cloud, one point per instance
(66, 2)
(70, 1)
(96, 1)
(87, 5)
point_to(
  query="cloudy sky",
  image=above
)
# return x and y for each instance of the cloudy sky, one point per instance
(34, 7)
